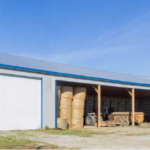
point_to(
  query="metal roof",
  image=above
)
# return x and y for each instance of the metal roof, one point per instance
(28, 64)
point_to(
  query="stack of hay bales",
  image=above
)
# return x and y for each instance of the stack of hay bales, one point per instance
(58, 100)
(78, 107)
(62, 123)
(66, 104)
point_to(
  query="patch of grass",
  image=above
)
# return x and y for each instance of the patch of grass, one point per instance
(26, 134)
(46, 128)
(80, 133)
(12, 142)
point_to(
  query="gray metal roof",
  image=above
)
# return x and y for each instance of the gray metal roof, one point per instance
(22, 63)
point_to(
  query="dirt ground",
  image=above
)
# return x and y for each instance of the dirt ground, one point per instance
(90, 138)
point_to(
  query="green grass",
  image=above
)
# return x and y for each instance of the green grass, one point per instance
(25, 133)
(80, 133)
(12, 142)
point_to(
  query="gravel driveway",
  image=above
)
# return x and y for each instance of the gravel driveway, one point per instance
(102, 138)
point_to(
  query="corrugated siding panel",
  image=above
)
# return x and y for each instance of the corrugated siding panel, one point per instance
(145, 106)
(120, 104)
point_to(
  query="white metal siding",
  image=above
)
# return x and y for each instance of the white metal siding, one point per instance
(20, 103)
(49, 90)
(48, 94)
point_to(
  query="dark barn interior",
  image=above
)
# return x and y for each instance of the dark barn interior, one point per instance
(117, 97)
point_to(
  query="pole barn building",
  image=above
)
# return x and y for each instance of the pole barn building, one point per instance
(28, 91)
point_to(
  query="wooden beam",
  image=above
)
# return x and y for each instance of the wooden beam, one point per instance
(99, 105)
(133, 107)
(95, 88)
(129, 92)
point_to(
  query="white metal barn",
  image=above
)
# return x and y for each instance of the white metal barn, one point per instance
(28, 97)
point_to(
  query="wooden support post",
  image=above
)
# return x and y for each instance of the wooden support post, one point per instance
(99, 105)
(133, 107)
(95, 88)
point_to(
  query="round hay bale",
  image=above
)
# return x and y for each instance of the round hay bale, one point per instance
(79, 93)
(77, 123)
(78, 103)
(65, 102)
(77, 113)
(67, 91)
(58, 122)
(62, 123)
(65, 113)
(69, 122)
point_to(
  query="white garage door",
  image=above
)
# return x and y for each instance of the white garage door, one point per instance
(20, 103)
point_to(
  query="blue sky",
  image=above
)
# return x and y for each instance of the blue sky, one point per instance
(112, 35)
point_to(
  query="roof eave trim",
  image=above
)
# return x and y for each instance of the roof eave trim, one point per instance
(71, 75)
